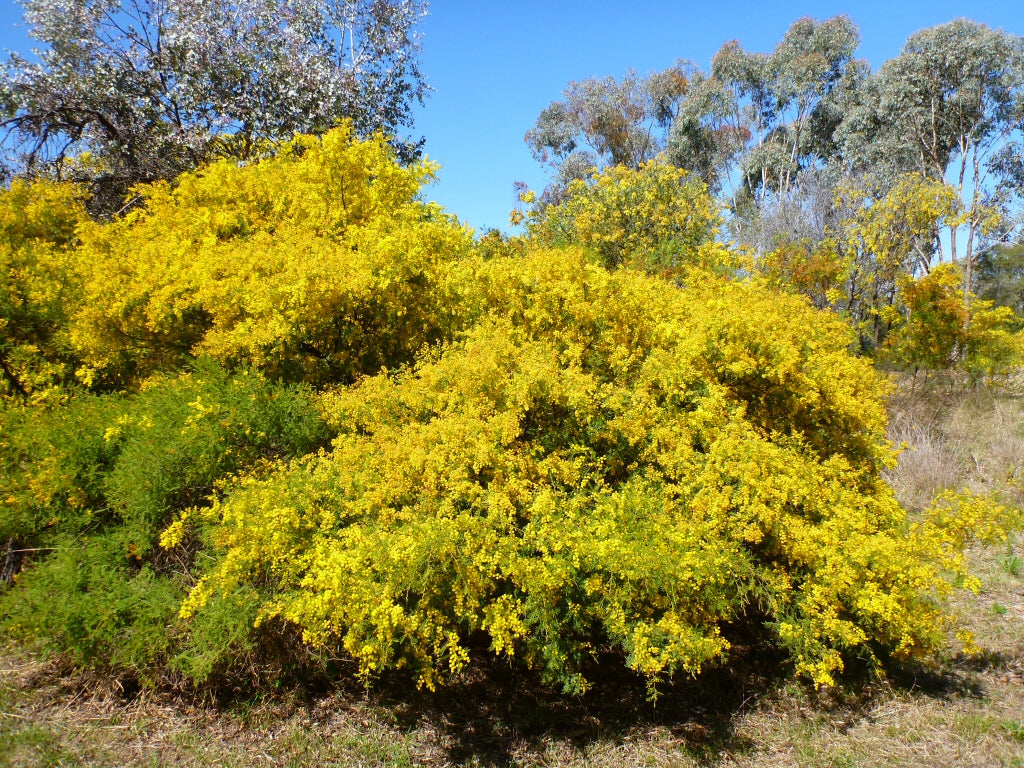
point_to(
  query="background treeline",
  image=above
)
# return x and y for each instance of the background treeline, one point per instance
(278, 412)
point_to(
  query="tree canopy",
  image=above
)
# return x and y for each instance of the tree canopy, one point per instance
(776, 133)
(129, 91)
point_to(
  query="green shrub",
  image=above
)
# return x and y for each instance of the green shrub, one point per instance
(95, 481)
(91, 601)
(180, 435)
(53, 464)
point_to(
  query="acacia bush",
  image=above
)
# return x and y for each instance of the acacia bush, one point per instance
(343, 420)
(92, 483)
(53, 460)
(938, 331)
(655, 217)
(317, 264)
(602, 458)
(39, 285)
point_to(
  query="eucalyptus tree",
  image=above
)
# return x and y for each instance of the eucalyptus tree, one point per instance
(776, 113)
(1000, 277)
(749, 128)
(126, 91)
(601, 122)
(950, 107)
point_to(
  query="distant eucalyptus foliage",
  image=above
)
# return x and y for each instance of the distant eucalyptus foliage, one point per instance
(778, 134)
(601, 122)
(1001, 276)
(950, 107)
(130, 91)
(759, 117)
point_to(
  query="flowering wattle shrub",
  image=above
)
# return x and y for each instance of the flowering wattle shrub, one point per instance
(38, 284)
(317, 264)
(602, 458)
(655, 217)
(537, 442)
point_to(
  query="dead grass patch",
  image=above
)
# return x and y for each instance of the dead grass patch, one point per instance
(957, 438)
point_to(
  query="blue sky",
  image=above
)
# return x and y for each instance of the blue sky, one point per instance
(495, 65)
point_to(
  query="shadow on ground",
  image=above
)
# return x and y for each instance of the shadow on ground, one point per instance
(497, 710)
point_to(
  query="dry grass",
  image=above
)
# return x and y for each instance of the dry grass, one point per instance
(964, 712)
(964, 438)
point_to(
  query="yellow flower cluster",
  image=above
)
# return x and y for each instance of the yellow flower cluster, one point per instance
(317, 264)
(541, 441)
(653, 218)
(38, 282)
(602, 455)
(941, 330)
